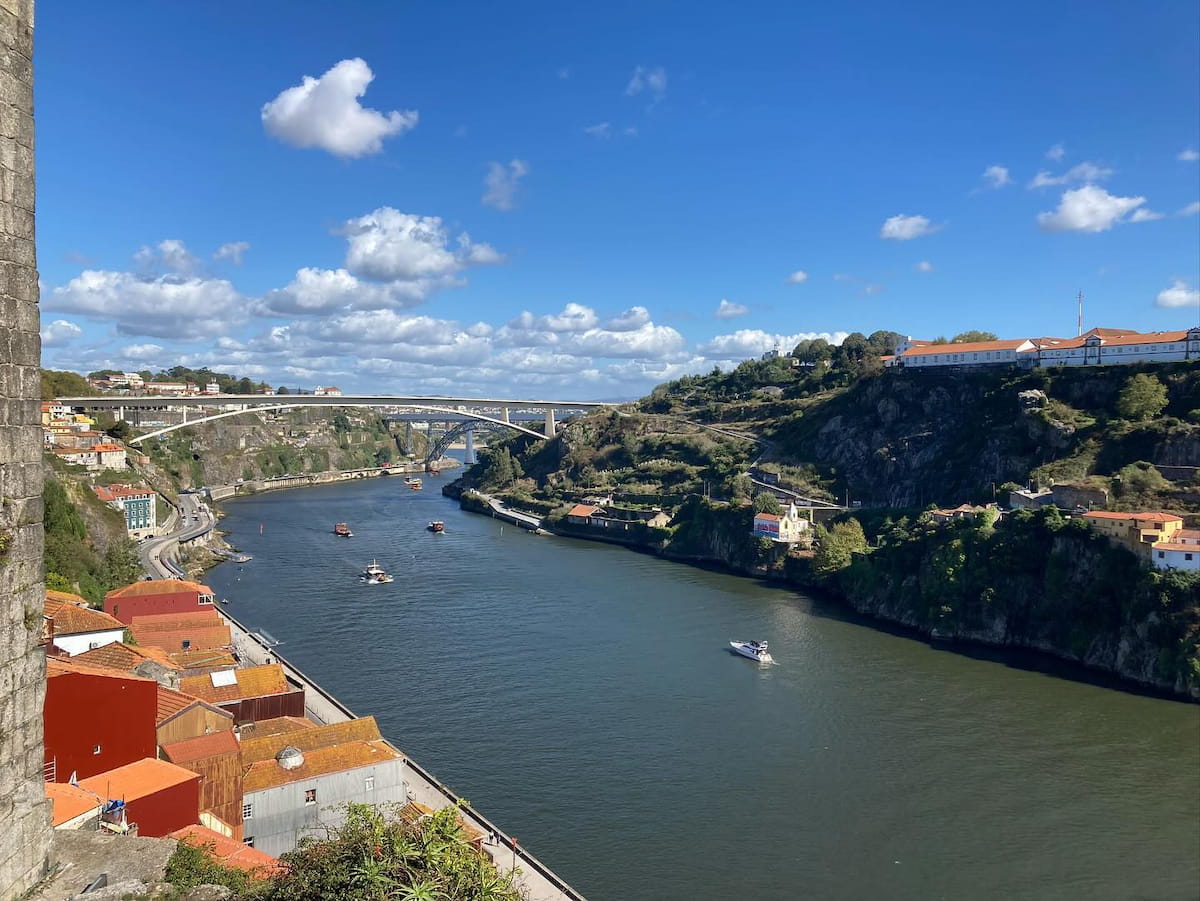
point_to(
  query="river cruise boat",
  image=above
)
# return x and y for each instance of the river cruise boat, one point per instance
(374, 575)
(437, 526)
(341, 530)
(434, 471)
(755, 650)
(413, 482)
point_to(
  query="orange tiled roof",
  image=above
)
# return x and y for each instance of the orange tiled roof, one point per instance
(228, 851)
(1175, 546)
(107, 448)
(1147, 338)
(318, 762)
(123, 657)
(210, 637)
(1193, 534)
(63, 597)
(188, 750)
(138, 779)
(1155, 517)
(72, 619)
(773, 517)
(204, 657)
(582, 510)
(1104, 514)
(265, 748)
(109, 493)
(279, 725)
(61, 666)
(157, 586)
(252, 682)
(69, 801)
(966, 348)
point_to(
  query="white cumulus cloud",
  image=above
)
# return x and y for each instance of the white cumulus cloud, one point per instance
(1145, 215)
(1180, 294)
(60, 332)
(729, 310)
(1088, 209)
(996, 176)
(905, 228)
(185, 308)
(142, 351)
(599, 130)
(1188, 155)
(633, 318)
(1056, 153)
(1190, 210)
(799, 277)
(652, 80)
(1084, 172)
(924, 266)
(501, 182)
(170, 255)
(755, 342)
(232, 251)
(325, 113)
(389, 245)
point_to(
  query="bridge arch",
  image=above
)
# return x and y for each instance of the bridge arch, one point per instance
(263, 407)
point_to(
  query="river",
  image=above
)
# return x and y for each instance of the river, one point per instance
(583, 697)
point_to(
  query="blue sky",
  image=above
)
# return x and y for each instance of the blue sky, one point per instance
(569, 199)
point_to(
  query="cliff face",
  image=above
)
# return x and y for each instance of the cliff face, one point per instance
(907, 439)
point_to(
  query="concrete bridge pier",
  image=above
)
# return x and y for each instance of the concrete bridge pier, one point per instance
(408, 437)
(504, 414)
(469, 456)
(551, 430)
(120, 414)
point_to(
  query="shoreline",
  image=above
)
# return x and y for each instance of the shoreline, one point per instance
(1025, 657)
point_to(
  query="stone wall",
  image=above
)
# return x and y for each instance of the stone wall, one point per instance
(25, 836)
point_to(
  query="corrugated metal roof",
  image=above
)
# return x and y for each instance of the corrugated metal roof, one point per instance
(61, 666)
(205, 657)
(172, 702)
(279, 725)
(211, 745)
(582, 510)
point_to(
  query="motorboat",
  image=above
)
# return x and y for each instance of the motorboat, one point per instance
(413, 482)
(437, 526)
(434, 471)
(755, 650)
(374, 575)
(342, 530)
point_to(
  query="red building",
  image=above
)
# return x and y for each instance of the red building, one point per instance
(159, 797)
(95, 719)
(175, 632)
(155, 597)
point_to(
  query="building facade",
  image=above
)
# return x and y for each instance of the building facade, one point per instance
(137, 503)
(158, 597)
(788, 527)
(159, 797)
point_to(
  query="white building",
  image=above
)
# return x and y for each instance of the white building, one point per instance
(1097, 347)
(74, 627)
(1174, 555)
(212, 388)
(922, 354)
(327, 391)
(788, 527)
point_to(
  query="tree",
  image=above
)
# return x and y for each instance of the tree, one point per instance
(282, 389)
(245, 386)
(57, 383)
(765, 502)
(837, 547)
(1143, 397)
(972, 337)
(341, 422)
(121, 430)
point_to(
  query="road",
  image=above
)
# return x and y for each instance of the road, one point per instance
(194, 519)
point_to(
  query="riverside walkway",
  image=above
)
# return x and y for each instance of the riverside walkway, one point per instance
(516, 517)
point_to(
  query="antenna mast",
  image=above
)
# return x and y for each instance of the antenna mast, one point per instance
(1081, 313)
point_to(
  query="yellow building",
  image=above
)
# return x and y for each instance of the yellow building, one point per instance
(1140, 532)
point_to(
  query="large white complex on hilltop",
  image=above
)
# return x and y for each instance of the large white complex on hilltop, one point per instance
(1097, 347)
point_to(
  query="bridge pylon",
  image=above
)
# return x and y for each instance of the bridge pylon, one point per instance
(469, 455)
(551, 428)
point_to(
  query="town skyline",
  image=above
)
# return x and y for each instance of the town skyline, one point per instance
(596, 205)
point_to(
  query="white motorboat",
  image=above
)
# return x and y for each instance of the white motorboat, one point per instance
(374, 575)
(755, 650)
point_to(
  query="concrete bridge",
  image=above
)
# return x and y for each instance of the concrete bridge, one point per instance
(475, 408)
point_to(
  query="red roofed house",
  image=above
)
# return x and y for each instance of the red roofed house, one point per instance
(159, 797)
(912, 353)
(156, 597)
(73, 627)
(95, 719)
(109, 456)
(137, 503)
(174, 632)
(217, 759)
(787, 527)
(1137, 531)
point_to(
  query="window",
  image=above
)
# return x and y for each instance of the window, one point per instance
(247, 811)
(248, 841)
(206, 599)
(1187, 556)
(186, 644)
(116, 609)
(1161, 555)
(92, 645)
(95, 749)
(310, 796)
(369, 782)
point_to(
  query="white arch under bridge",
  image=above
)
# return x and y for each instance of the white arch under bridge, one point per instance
(424, 408)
